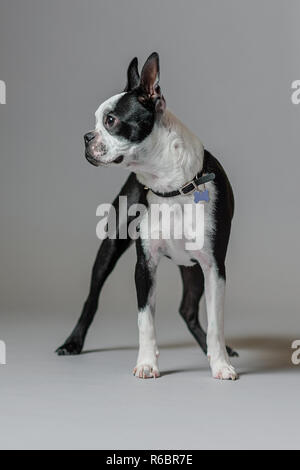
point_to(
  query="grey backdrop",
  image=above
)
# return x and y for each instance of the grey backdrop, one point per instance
(226, 71)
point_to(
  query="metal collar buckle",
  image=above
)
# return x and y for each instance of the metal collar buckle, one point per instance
(185, 186)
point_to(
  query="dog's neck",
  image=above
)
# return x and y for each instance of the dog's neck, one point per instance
(170, 156)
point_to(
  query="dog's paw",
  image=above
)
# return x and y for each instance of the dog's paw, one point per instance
(231, 352)
(224, 371)
(146, 371)
(70, 348)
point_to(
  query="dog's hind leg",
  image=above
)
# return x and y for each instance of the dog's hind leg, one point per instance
(109, 253)
(193, 288)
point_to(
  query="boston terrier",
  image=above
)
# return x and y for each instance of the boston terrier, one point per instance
(169, 166)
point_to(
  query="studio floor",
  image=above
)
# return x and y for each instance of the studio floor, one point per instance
(92, 401)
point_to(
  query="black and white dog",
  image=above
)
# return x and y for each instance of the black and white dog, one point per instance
(169, 164)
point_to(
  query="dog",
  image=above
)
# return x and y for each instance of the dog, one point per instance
(168, 165)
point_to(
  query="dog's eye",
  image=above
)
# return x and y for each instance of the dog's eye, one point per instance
(110, 121)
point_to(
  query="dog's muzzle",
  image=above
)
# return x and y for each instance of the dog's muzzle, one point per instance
(95, 149)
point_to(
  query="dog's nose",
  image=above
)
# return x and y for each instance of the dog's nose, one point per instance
(89, 136)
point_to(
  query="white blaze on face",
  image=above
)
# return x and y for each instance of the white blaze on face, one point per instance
(106, 107)
(115, 145)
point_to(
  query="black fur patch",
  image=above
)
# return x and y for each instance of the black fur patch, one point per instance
(136, 114)
(223, 210)
(143, 277)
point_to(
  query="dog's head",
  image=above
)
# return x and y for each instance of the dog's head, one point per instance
(125, 120)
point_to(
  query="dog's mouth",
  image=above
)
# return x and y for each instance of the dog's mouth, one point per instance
(91, 159)
(96, 162)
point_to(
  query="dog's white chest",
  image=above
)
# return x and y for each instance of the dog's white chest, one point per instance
(178, 228)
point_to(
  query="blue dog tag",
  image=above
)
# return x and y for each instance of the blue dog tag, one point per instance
(201, 196)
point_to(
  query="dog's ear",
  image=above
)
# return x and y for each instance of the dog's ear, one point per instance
(150, 82)
(133, 78)
(150, 74)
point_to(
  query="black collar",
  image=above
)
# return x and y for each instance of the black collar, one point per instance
(189, 187)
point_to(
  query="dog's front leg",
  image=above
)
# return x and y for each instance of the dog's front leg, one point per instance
(145, 274)
(216, 349)
(108, 255)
